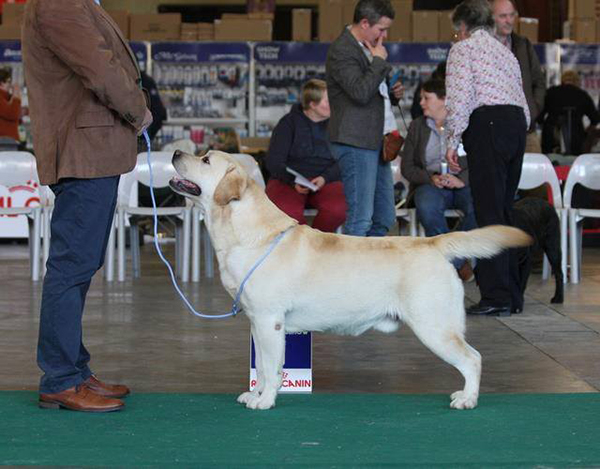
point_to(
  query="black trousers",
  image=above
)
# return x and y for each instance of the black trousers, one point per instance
(495, 142)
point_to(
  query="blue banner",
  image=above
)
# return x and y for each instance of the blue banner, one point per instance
(140, 50)
(10, 51)
(291, 52)
(404, 53)
(579, 54)
(196, 52)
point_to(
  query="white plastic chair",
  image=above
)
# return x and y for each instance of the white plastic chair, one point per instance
(538, 170)
(199, 230)
(408, 214)
(162, 171)
(585, 171)
(19, 168)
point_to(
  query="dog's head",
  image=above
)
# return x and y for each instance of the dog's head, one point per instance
(211, 178)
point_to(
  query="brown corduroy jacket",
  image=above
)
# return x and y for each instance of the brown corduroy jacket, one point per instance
(85, 102)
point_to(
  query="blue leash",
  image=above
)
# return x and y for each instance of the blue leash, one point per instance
(235, 309)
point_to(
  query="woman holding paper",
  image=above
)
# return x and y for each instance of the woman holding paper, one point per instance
(303, 171)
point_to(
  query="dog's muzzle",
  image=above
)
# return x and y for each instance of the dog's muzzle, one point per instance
(185, 186)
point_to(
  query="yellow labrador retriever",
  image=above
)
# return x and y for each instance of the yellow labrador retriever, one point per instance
(315, 281)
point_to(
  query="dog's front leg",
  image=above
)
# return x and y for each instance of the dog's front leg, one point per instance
(269, 338)
(245, 397)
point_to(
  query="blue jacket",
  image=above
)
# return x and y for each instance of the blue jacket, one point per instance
(301, 144)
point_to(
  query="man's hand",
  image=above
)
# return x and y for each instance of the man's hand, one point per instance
(319, 181)
(146, 122)
(452, 182)
(301, 189)
(378, 50)
(452, 159)
(398, 90)
(438, 181)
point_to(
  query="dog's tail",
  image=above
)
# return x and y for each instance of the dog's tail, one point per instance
(480, 243)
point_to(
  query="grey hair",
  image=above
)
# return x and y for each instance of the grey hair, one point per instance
(373, 11)
(473, 14)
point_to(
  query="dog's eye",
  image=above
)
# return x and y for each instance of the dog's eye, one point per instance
(206, 160)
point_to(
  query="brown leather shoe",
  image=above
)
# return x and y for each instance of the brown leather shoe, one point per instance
(466, 272)
(106, 390)
(80, 398)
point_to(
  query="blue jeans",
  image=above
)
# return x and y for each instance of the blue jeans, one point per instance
(432, 202)
(369, 190)
(83, 213)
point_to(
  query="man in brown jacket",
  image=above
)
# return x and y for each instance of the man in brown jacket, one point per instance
(86, 109)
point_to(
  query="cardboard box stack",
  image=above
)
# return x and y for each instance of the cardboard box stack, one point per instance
(246, 27)
(302, 24)
(529, 28)
(330, 19)
(12, 18)
(446, 29)
(425, 26)
(206, 31)
(583, 22)
(155, 27)
(401, 30)
(189, 32)
(121, 18)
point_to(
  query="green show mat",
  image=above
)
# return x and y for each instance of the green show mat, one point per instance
(318, 430)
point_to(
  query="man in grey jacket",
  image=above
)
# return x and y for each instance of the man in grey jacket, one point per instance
(359, 97)
(534, 83)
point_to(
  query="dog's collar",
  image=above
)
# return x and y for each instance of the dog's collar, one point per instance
(236, 303)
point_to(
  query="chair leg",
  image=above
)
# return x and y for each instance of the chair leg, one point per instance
(573, 241)
(178, 248)
(412, 223)
(134, 241)
(546, 268)
(579, 222)
(564, 237)
(121, 245)
(46, 216)
(109, 260)
(34, 241)
(208, 254)
(196, 240)
(185, 264)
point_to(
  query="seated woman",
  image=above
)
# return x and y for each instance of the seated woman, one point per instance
(424, 166)
(10, 105)
(299, 142)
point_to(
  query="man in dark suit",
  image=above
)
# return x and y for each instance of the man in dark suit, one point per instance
(87, 108)
(534, 82)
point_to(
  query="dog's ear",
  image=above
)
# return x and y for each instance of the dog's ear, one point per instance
(231, 187)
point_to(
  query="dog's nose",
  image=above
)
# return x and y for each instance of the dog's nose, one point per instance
(177, 153)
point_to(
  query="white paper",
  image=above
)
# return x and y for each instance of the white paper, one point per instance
(301, 180)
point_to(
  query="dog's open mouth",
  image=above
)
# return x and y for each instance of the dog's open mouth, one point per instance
(185, 186)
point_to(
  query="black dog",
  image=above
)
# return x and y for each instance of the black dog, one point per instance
(539, 219)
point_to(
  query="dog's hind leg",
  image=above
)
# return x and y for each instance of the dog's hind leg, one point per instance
(260, 379)
(269, 338)
(450, 345)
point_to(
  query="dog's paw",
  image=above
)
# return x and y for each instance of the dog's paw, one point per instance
(461, 400)
(245, 397)
(263, 402)
(557, 300)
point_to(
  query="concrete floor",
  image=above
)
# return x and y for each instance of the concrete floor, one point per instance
(140, 333)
